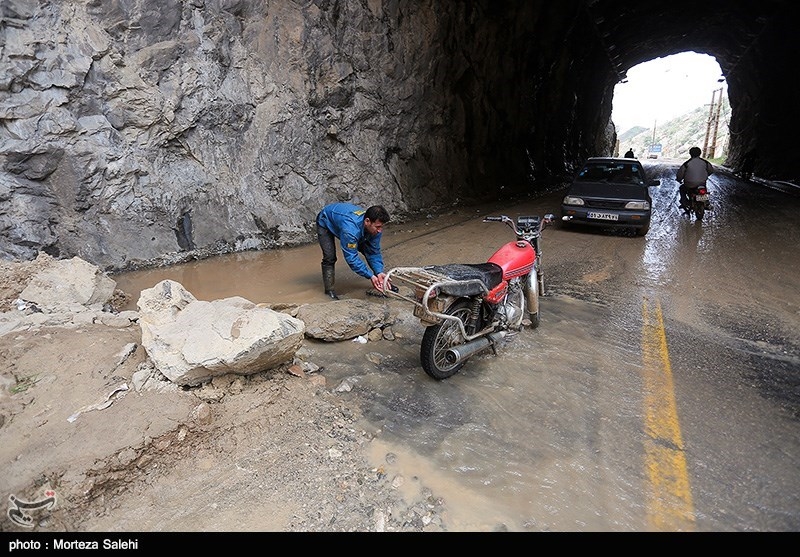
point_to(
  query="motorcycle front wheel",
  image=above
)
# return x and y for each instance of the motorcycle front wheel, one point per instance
(438, 339)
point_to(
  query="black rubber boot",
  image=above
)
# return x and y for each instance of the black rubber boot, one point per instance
(328, 279)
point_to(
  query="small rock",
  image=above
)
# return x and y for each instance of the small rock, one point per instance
(126, 352)
(345, 386)
(308, 367)
(208, 393)
(380, 521)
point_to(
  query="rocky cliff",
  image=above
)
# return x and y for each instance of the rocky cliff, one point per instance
(132, 130)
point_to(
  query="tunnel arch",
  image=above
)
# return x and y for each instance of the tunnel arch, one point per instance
(753, 44)
(566, 78)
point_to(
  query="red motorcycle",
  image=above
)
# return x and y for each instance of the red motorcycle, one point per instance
(468, 308)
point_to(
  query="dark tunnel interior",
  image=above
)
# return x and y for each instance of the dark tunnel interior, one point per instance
(561, 109)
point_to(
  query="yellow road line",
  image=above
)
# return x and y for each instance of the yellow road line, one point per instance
(669, 505)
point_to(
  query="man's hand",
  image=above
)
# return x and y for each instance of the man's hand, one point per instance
(377, 282)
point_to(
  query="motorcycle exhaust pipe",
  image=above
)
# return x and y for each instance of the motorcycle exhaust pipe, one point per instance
(455, 354)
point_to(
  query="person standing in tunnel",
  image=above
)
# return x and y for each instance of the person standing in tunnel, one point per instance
(358, 231)
(692, 174)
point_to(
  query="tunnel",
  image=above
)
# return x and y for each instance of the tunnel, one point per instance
(561, 112)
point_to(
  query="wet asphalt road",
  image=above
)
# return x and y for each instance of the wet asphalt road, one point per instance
(661, 391)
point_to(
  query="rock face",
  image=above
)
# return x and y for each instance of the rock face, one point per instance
(192, 341)
(132, 131)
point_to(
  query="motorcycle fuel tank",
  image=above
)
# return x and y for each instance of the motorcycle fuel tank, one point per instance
(515, 258)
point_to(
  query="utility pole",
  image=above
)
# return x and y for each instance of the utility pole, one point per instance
(716, 125)
(713, 119)
(653, 142)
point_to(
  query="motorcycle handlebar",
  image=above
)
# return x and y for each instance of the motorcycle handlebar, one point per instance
(542, 222)
(508, 220)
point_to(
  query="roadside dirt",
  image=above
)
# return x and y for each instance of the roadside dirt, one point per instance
(74, 427)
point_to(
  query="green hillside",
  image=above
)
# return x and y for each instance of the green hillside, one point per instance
(678, 135)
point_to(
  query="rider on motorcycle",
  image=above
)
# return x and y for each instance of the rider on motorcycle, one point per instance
(692, 174)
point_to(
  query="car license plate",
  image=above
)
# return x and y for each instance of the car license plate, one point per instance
(603, 216)
(702, 198)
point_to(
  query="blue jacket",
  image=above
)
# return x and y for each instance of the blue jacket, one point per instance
(346, 222)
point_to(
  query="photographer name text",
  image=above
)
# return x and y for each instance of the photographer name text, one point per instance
(63, 543)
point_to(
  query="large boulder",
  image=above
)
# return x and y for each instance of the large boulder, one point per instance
(344, 319)
(191, 341)
(68, 282)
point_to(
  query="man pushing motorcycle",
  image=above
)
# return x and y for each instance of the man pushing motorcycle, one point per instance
(358, 231)
(692, 174)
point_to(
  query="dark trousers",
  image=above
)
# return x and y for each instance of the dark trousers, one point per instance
(684, 191)
(327, 241)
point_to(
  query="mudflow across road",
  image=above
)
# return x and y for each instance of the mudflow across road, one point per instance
(660, 392)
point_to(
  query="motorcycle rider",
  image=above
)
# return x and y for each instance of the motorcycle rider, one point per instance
(358, 230)
(692, 174)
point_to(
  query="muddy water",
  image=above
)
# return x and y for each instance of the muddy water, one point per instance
(479, 441)
(547, 434)
(293, 275)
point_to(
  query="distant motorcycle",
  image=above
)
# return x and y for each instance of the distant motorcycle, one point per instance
(699, 201)
(468, 308)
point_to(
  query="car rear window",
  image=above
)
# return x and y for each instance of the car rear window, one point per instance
(611, 172)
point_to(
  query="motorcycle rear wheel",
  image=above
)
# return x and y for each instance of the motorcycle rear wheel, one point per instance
(438, 339)
(699, 211)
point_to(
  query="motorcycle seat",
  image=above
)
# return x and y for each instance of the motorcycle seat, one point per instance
(468, 275)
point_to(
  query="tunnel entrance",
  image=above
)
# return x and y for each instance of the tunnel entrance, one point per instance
(667, 105)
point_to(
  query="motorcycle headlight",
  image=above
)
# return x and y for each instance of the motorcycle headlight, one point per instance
(572, 200)
(638, 205)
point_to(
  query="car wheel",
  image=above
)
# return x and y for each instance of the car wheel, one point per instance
(642, 231)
